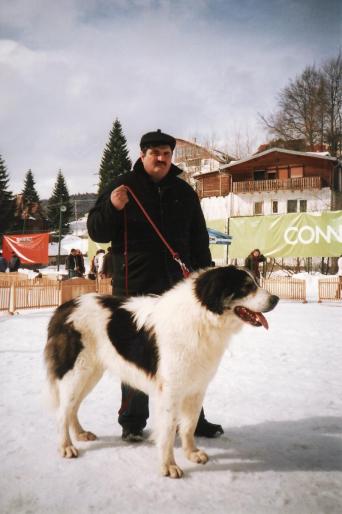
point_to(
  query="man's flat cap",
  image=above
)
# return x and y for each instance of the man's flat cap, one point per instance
(157, 138)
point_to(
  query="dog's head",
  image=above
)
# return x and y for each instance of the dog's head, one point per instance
(230, 288)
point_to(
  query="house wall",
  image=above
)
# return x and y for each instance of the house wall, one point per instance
(243, 205)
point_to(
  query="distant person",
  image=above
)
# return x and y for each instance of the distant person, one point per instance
(71, 264)
(80, 268)
(98, 262)
(3, 263)
(252, 262)
(14, 263)
(38, 275)
(339, 274)
(107, 264)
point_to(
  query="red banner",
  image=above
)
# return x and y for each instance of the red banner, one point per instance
(30, 248)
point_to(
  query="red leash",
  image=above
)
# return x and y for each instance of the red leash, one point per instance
(174, 254)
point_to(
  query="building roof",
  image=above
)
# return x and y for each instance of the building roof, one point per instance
(279, 150)
(220, 156)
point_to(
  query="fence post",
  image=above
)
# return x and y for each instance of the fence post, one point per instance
(11, 309)
(60, 282)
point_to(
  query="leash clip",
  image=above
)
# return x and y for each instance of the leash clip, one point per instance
(182, 266)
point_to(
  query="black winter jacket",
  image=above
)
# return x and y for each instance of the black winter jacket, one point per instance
(175, 208)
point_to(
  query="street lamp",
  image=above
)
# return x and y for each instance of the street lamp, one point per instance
(62, 209)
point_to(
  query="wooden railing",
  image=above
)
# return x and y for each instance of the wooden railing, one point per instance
(5, 295)
(104, 286)
(36, 293)
(30, 294)
(13, 277)
(286, 288)
(300, 183)
(329, 289)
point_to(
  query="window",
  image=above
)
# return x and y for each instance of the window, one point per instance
(291, 205)
(274, 206)
(296, 171)
(302, 205)
(258, 207)
(259, 175)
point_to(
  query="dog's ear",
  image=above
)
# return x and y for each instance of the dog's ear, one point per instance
(213, 290)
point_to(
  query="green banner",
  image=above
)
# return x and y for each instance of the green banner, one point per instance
(288, 235)
(93, 247)
(218, 252)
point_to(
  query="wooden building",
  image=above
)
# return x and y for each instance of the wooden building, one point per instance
(195, 159)
(276, 181)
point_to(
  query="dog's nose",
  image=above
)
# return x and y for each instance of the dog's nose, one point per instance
(274, 300)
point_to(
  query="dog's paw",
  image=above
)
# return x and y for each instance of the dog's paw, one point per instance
(171, 470)
(86, 436)
(198, 456)
(69, 452)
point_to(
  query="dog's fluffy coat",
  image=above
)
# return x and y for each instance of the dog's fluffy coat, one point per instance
(169, 345)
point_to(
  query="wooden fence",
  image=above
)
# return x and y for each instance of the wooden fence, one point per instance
(18, 293)
(287, 288)
(329, 289)
(35, 293)
(13, 277)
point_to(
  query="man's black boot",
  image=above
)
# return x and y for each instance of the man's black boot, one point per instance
(206, 429)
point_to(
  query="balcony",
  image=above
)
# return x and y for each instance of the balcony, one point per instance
(292, 184)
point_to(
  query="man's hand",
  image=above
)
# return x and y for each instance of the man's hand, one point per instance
(119, 197)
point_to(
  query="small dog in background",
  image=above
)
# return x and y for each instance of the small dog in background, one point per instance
(181, 336)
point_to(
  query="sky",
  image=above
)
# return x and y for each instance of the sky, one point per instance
(199, 69)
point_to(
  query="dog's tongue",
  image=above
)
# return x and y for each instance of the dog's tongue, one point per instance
(257, 319)
(261, 318)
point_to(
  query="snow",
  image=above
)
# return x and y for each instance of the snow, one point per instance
(277, 393)
(67, 243)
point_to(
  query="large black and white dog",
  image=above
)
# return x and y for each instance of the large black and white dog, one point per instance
(169, 345)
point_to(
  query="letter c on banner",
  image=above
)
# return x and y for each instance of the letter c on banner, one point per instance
(286, 235)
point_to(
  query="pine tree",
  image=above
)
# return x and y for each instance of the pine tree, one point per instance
(60, 197)
(29, 192)
(115, 160)
(7, 204)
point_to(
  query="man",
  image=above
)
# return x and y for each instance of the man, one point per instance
(14, 263)
(175, 209)
(107, 264)
(80, 268)
(339, 274)
(3, 263)
(71, 264)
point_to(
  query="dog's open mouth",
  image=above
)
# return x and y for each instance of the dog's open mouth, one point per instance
(257, 319)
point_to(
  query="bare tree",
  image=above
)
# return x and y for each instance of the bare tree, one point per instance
(309, 107)
(300, 113)
(332, 76)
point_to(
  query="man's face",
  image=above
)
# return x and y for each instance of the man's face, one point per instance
(157, 161)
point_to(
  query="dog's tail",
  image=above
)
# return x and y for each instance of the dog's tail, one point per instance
(51, 391)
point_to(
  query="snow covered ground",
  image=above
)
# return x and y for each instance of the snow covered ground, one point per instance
(278, 395)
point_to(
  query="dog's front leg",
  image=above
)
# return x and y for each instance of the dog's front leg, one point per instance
(166, 423)
(190, 410)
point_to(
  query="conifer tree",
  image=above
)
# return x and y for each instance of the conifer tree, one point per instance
(29, 192)
(7, 205)
(115, 160)
(60, 197)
